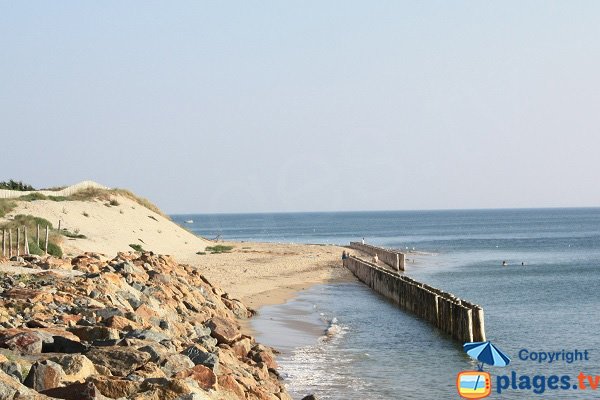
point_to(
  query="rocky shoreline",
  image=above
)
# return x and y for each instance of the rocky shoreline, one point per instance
(140, 326)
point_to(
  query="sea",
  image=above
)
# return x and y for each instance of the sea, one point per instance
(354, 344)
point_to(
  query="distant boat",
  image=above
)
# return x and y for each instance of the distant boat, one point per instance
(189, 221)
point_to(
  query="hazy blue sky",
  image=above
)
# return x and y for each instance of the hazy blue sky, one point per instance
(315, 105)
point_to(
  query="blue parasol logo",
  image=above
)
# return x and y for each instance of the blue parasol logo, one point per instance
(486, 353)
(477, 384)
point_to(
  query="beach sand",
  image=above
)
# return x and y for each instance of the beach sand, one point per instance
(269, 273)
(256, 273)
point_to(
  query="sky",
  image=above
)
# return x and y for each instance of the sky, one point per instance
(271, 106)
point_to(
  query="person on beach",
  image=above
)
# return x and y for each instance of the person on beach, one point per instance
(345, 255)
(375, 259)
(504, 263)
(363, 241)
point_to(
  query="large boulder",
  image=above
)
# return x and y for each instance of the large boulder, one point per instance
(201, 357)
(76, 391)
(121, 323)
(77, 367)
(175, 363)
(204, 377)
(44, 375)
(229, 383)
(91, 333)
(28, 342)
(224, 330)
(11, 389)
(121, 361)
(115, 388)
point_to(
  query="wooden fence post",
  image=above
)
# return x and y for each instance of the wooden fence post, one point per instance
(18, 241)
(46, 240)
(59, 225)
(26, 244)
(3, 243)
(10, 243)
(37, 236)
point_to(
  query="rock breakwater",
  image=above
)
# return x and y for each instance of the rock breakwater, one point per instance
(139, 326)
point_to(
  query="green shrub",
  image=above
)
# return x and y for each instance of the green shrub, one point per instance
(39, 196)
(137, 247)
(72, 235)
(54, 250)
(114, 202)
(219, 249)
(30, 221)
(6, 206)
(35, 249)
(33, 197)
(58, 198)
(201, 253)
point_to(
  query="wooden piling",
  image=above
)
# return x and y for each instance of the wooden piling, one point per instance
(460, 319)
(18, 242)
(26, 244)
(37, 236)
(393, 258)
(10, 253)
(46, 244)
(3, 242)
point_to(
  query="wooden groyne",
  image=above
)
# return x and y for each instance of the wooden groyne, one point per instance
(394, 259)
(460, 319)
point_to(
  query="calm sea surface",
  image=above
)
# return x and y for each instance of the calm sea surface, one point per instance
(377, 351)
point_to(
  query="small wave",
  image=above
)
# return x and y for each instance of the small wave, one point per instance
(423, 253)
(333, 330)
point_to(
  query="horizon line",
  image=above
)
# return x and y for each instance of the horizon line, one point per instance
(397, 210)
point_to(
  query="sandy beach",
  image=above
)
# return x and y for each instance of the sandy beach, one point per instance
(269, 273)
(256, 273)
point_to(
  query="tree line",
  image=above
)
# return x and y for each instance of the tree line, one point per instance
(16, 185)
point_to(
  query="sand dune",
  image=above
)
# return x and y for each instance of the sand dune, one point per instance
(110, 229)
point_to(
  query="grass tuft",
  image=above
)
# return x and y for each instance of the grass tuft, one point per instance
(137, 247)
(6, 206)
(72, 235)
(218, 249)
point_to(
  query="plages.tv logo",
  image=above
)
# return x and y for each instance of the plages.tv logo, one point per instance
(478, 384)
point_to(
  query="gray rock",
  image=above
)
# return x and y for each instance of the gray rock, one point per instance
(11, 389)
(13, 369)
(202, 330)
(44, 375)
(198, 356)
(175, 363)
(209, 342)
(156, 351)
(148, 334)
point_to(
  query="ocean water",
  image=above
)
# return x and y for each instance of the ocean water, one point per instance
(374, 350)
